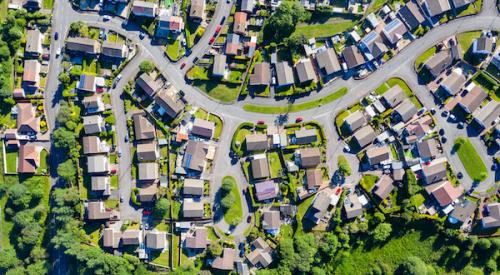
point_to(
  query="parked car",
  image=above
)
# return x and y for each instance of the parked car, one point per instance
(146, 212)
(461, 125)
(122, 198)
(460, 175)
(260, 122)
(494, 166)
(444, 113)
(299, 119)
(222, 20)
(142, 35)
(183, 65)
(249, 219)
(106, 17)
(118, 77)
(433, 111)
(56, 36)
(58, 52)
(453, 117)
(441, 132)
(443, 139)
(217, 30)
(212, 40)
(125, 138)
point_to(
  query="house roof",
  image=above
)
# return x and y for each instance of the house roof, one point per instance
(167, 100)
(91, 145)
(310, 157)
(420, 127)
(193, 187)
(144, 8)
(439, 62)
(147, 151)
(394, 31)
(260, 168)
(428, 148)
(259, 257)
(194, 156)
(305, 71)
(33, 41)
(197, 9)
(261, 74)
(247, 5)
(319, 207)
(284, 73)
(97, 211)
(461, 3)
(487, 114)
(493, 217)
(111, 237)
(353, 57)
(435, 171)
(147, 193)
(131, 237)
(198, 239)
(31, 71)
(305, 136)
(406, 110)
(355, 120)
(232, 44)
(202, 127)
(143, 129)
(271, 220)
(147, 84)
(256, 142)
(464, 210)
(266, 190)
(87, 82)
(148, 171)
(454, 82)
(192, 209)
(372, 42)
(436, 7)
(240, 22)
(314, 178)
(379, 154)
(92, 124)
(483, 44)
(383, 187)
(27, 121)
(92, 102)
(394, 96)
(353, 206)
(444, 192)
(328, 62)
(411, 15)
(81, 44)
(219, 65)
(114, 49)
(398, 174)
(156, 239)
(100, 183)
(29, 158)
(364, 136)
(97, 164)
(226, 261)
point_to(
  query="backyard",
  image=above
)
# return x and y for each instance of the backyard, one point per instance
(233, 215)
(473, 164)
(398, 81)
(325, 28)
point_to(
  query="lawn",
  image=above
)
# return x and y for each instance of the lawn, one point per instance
(275, 164)
(394, 153)
(301, 212)
(332, 26)
(398, 81)
(3, 8)
(174, 50)
(175, 250)
(218, 125)
(114, 181)
(12, 160)
(473, 8)
(113, 37)
(423, 58)
(368, 181)
(224, 92)
(485, 80)
(48, 4)
(291, 108)
(465, 39)
(474, 165)
(234, 215)
(161, 258)
(43, 162)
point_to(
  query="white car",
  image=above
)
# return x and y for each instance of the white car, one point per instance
(58, 52)
(106, 17)
(118, 77)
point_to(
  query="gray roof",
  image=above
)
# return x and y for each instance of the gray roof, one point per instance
(113, 49)
(197, 9)
(352, 206)
(305, 136)
(261, 74)
(454, 82)
(411, 15)
(305, 71)
(319, 207)
(439, 62)
(394, 96)
(284, 73)
(463, 210)
(328, 61)
(377, 155)
(193, 187)
(33, 42)
(353, 57)
(487, 114)
(483, 44)
(156, 240)
(169, 103)
(383, 187)
(435, 171)
(148, 171)
(260, 168)
(194, 156)
(247, 5)
(428, 148)
(143, 129)
(436, 7)
(219, 65)
(202, 127)
(310, 157)
(271, 220)
(192, 209)
(473, 99)
(147, 84)
(364, 136)
(461, 3)
(406, 110)
(256, 142)
(97, 164)
(81, 44)
(355, 120)
(147, 151)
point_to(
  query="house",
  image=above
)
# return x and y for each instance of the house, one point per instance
(328, 62)
(27, 121)
(226, 261)
(444, 192)
(353, 57)
(250, 46)
(453, 82)
(194, 156)
(147, 193)
(473, 99)
(373, 46)
(98, 164)
(101, 184)
(355, 121)
(93, 124)
(352, 206)
(419, 127)
(193, 187)
(372, 20)
(168, 24)
(319, 207)
(394, 96)
(261, 74)
(305, 136)
(111, 238)
(197, 10)
(284, 74)
(310, 157)
(143, 129)
(260, 256)
(247, 6)
(147, 152)
(147, 84)
(233, 46)
(394, 31)
(398, 174)
(256, 142)
(405, 111)
(383, 187)
(156, 240)
(260, 167)
(240, 23)
(411, 15)
(482, 45)
(461, 3)
(487, 115)
(148, 172)
(93, 145)
(192, 209)
(428, 149)
(144, 9)
(167, 103)
(436, 7)
(87, 83)
(271, 222)
(305, 71)
(376, 155)
(266, 190)
(288, 211)
(219, 66)
(29, 159)
(314, 179)
(82, 45)
(462, 211)
(132, 237)
(197, 239)
(434, 171)
(93, 104)
(442, 60)
(33, 46)
(203, 128)
(492, 219)
(96, 210)
(114, 49)
(364, 136)
(31, 75)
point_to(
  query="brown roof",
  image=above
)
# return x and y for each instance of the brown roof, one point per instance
(260, 168)
(192, 209)
(377, 155)
(97, 211)
(26, 118)
(156, 240)
(169, 103)
(444, 192)
(260, 258)
(91, 145)
(328, 62)
(199, 238)
(148, 171)
(29, 159)
(226, 262)
(114, 49)
(436, 7)
(147, 151)
(394, 96)
(111, 238)
(131, 237)
(148, 193)
(353, 57)
(314, 178)
(194, 156)
(256, 142)
(406, 110)
(428, 148)
(364, 136)
(305, 71)
(355, 120)
(193, 187)
(271, 220)
(240, 22)
(261, 74)
(92, 102)
(435, 171)
(473, 99)
(202, 127)
(384, 187)
(487, 114)
(31, 72)
(147, 84)
(143, 129)
(81, 44)
(197, 9)
(310, 157)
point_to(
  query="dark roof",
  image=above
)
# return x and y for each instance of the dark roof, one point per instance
(353, 57)
(411, 15)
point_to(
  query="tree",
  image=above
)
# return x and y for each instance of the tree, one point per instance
(329, 245)
(227, 201)
(63, 138)
(227, 186)
(306, 247)
(344, 166)
(382, 232)
(19, 195)
(67, 170)
(8, 259)
(146, 66)
(161, 208)
(215, 249)
(483, 244)
(379, 217)
(283, 21)
(286, 254)
(64, 79)
(412, 266)
(470, 270)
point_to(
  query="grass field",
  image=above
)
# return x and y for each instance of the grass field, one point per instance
(48, 4)
(291, 108)
(474, 165)
(301, 211)
(12, 156)
(332, 26)
(393, 81)
(234, 215)
(3, 9)
(217, 90)
(274, 164)
(465, 39)
(174, 50)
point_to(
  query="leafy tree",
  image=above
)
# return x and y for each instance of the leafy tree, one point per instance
(305, 248)
(8, 259)
(382, 232)
(470, 270)
(412, 266)
(491, 265)
(318, 271)
(344, 166)
(283, 21)
(329, 245)
(64, 78)
(379, 217)
(215, 249)
(67, 170)
(227, 201)
(63, 138)
(161, 208)
(146, 66)
(227, 186)
(483, 244)
(19, 195)
(286, 253)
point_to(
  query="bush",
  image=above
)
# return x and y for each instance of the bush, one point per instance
(133, 197)
(146, 66)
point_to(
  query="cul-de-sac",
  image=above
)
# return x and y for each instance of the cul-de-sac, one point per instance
(247, 137)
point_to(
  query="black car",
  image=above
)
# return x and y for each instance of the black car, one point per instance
(249, 219)
(222, 20)
(460, 175)
(56, 36)
(443, 140)
(441, 132)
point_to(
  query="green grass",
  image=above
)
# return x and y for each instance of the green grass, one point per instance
(12, 161)
(43, 162)
(234, 215)
(368, 181)
(274, 164)
(291, 108)
(48, 4)
(113, 37)
(470, 9)
(301, 211)
(161, 258)
(332, 26)
(3, 9)
(111, 203)
(175, 249)
(473, 164)
(465, 39)
(394, 153)
(393, 81)
(224, 92)
(423, 58)
(174, 50)
(218, 125)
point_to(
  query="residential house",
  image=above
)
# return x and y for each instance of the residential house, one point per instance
(398, 174)
(100, 184)
(355, 121)
(436, 7)
(93, 124)
(226, 261)
(266, 190)
(261, 75)
(33, 46)
(305, 136)
(29, 159)
(373, 46)
(111, 238)
(444, 192)
(260, 257)
(462, 212)
(310, 157)
(197, 10)
(482, 45)
(192, 209)
(31, 75)
(428, 149)
(394, 31)
(194, 156)
(328, 62)
(352, 206)
(233, 46)
(168, 24)
(434, 171)
(492, 219)
(168, 103)
(219, 66)
(143, 129)
(193, 187)
(197, 240)
(93, 145)
(240, 23)
(394, 96)
(148, 193)
(87, 83)
(364, 136)
(203, 128)
(82, 45)
(319, 207)
(260, 167)
(96, 210)
(443, 59)
(419, 127)
(453, 82)
(461, 3)
(372, 20)
(486, 116)
(284, 74)
(314, 179)
(132, 237)
(144, 9)
(305, 71)
(256, 142)
(405, 111)
(98, 164)
(148, 172)
(411, 15)
(473, 99)
(353, 57)
(383, 187)
(377, 155)
(114, 49)
(156, 240)
(247, 6)
(147, 152)
(147, 84)
(271, 222)
(93, 104)
(27, 121)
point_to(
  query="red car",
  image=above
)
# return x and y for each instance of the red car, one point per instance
(260, 122)
(183, 65)
(146, 212)
(212, 40)
(299, 119)
(217, 30)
